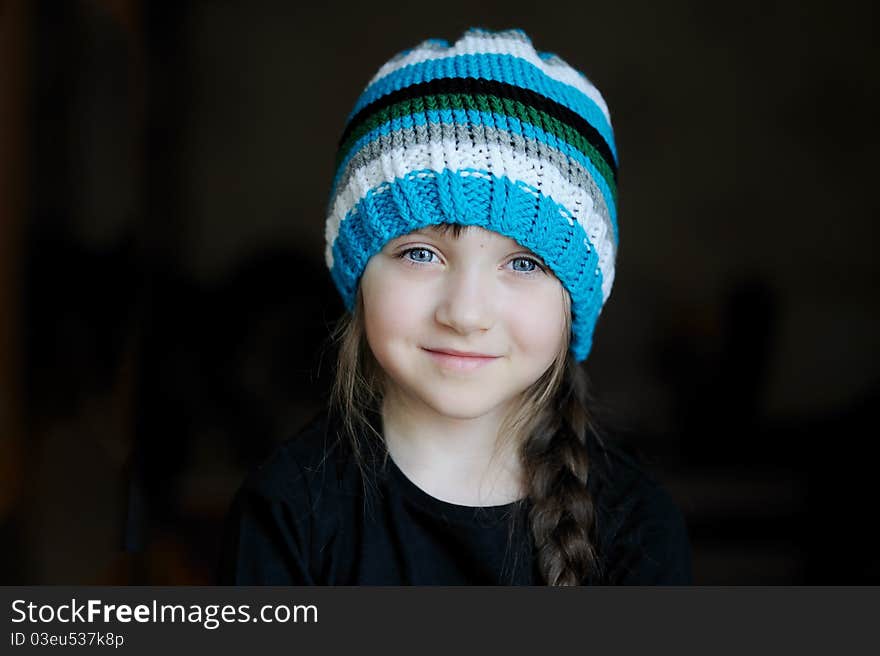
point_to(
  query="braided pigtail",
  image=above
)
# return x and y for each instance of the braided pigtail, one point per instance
(550, 426)
(557, 467)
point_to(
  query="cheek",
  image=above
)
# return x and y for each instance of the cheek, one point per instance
(393, 309)
(537, 324)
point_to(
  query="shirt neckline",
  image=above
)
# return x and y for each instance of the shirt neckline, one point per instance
(453, 511)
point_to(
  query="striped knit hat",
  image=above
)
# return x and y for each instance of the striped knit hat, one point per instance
(485, 132)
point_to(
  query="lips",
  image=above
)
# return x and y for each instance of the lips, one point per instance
(460, 360)
(463, 354)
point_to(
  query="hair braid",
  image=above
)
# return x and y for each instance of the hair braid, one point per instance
(557, 467)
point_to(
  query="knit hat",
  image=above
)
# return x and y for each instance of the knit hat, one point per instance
(485, 132)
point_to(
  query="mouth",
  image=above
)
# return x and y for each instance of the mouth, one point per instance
(459, 360)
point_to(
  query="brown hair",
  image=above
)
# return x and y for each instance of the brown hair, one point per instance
(551, 426)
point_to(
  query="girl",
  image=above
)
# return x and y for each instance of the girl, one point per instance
(472, 232)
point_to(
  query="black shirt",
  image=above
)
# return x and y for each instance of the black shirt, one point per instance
(303, 519)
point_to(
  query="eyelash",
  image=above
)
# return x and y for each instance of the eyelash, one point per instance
(403, 256)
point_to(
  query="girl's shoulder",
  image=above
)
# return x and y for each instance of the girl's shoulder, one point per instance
(283, 511)
(626, 479)
(308, 463)
(643, 527)
(622, 466)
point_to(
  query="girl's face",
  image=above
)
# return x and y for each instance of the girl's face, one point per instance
(462, 325)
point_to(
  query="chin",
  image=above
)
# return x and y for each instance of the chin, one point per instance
(461, 404)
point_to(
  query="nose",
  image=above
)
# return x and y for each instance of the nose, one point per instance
(465, 304)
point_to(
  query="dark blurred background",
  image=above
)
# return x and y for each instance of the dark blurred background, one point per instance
(164, 303)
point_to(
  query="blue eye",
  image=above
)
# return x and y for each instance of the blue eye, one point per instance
(525, 265)
(420, 255)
